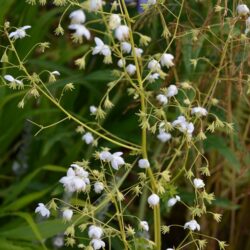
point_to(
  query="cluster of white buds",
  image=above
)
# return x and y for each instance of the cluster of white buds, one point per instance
(76, 179)
(95, 233)
(172, 90)
(114, 159)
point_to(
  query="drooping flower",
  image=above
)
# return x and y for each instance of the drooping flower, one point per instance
(95, 5)
(242, 10)
(198, 183)
(183, 125)
(126, 47)
(101, 48)
(131, 69)
(122, 32)
(152, 77)
(114, 21)
(105, 156)
(144, 225)
(95, 232)
(97, 244)
(121, 63)
(167, 60)
(98, 187)
(42, 210)
(192, 225)
(173, 201)
(164, 136)
(80, 31)
(116, 160)
(143, 163)
(162, 99)
(153, 200)
(14, 83)
(77, 16)
(20, 32)
(138, 52)
(154, 65)
(67, 214)
(199, 111)
(93, 109)
(172, 90)
(88, 138)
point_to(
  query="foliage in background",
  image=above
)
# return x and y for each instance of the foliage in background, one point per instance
(31, 165)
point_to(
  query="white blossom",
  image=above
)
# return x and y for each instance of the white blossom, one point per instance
(122, 32)
(42, 210)
(172, 90)
(192, 225)
(13, 81)
(98, 187)
(199, 111)
(164, 136)
(242, 9)
(152, 77)
(131, 69)
(154, 65)
(67, 214)
(20, 32)
(88, 138)
(183, 125)
(105, 156)
(97, 244)
(80, 31)
(138, 52)
(126, 47)
(167, 60)
(173, 201)
(95, 5)
(121, 63)
(58, 241)
(95, 232)
(153, 200)
(77, 16)
(116, 160)
(162, 99)
(93, 109)
(144, 225)
(143, 163)
(198, 183)
(101, 48)
(114, 21)
(55, 73)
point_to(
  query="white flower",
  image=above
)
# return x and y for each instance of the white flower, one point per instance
(55, 73)
(75, 180)
(126, 47)
(67, 214)
(192, 225)
(162, 99)
(138, 52)
(122, 32)
(77, 16)
(13, 81)
(199, 111)
(151, 78)
(164, 136)
(95, 232)
(42, 210)
(98, 187)
(121, 63)
(172, 201)
(58, 241)
(151, 2)
(183, 125)
(93, 109)
(154, 66)
(172, 90)
(114, 21)
(105, 156)
(101, 48)
(153, 200)
(97, 244)
(80, 31)
(144, 225)
(88, 138)
(116, 160)
(198, 183)
(167, 60)
(20, 32)
(95, 5)
(143, 163)
(242, 9)
(131, 69)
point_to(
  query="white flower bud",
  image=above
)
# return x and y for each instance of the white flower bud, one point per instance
(121, 63)
(126, 47)
(198, 183)
(93, 109)
(199, 111)
(95, 5)
(77, 16)
(167, 60)
(122, 32)
(192, 225)
(95, 232)
(162, 99)
(138, 52)
(153, 200)
(88, 138)
(172, 201)
(154, 66)
(105, 156)
(67, 214)
(114, 21)
(143, 163)
(131, 69)
(98, 187)
(172, 91)
(242, 10)
(164, 136)
(97, 244)
(144, 225)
